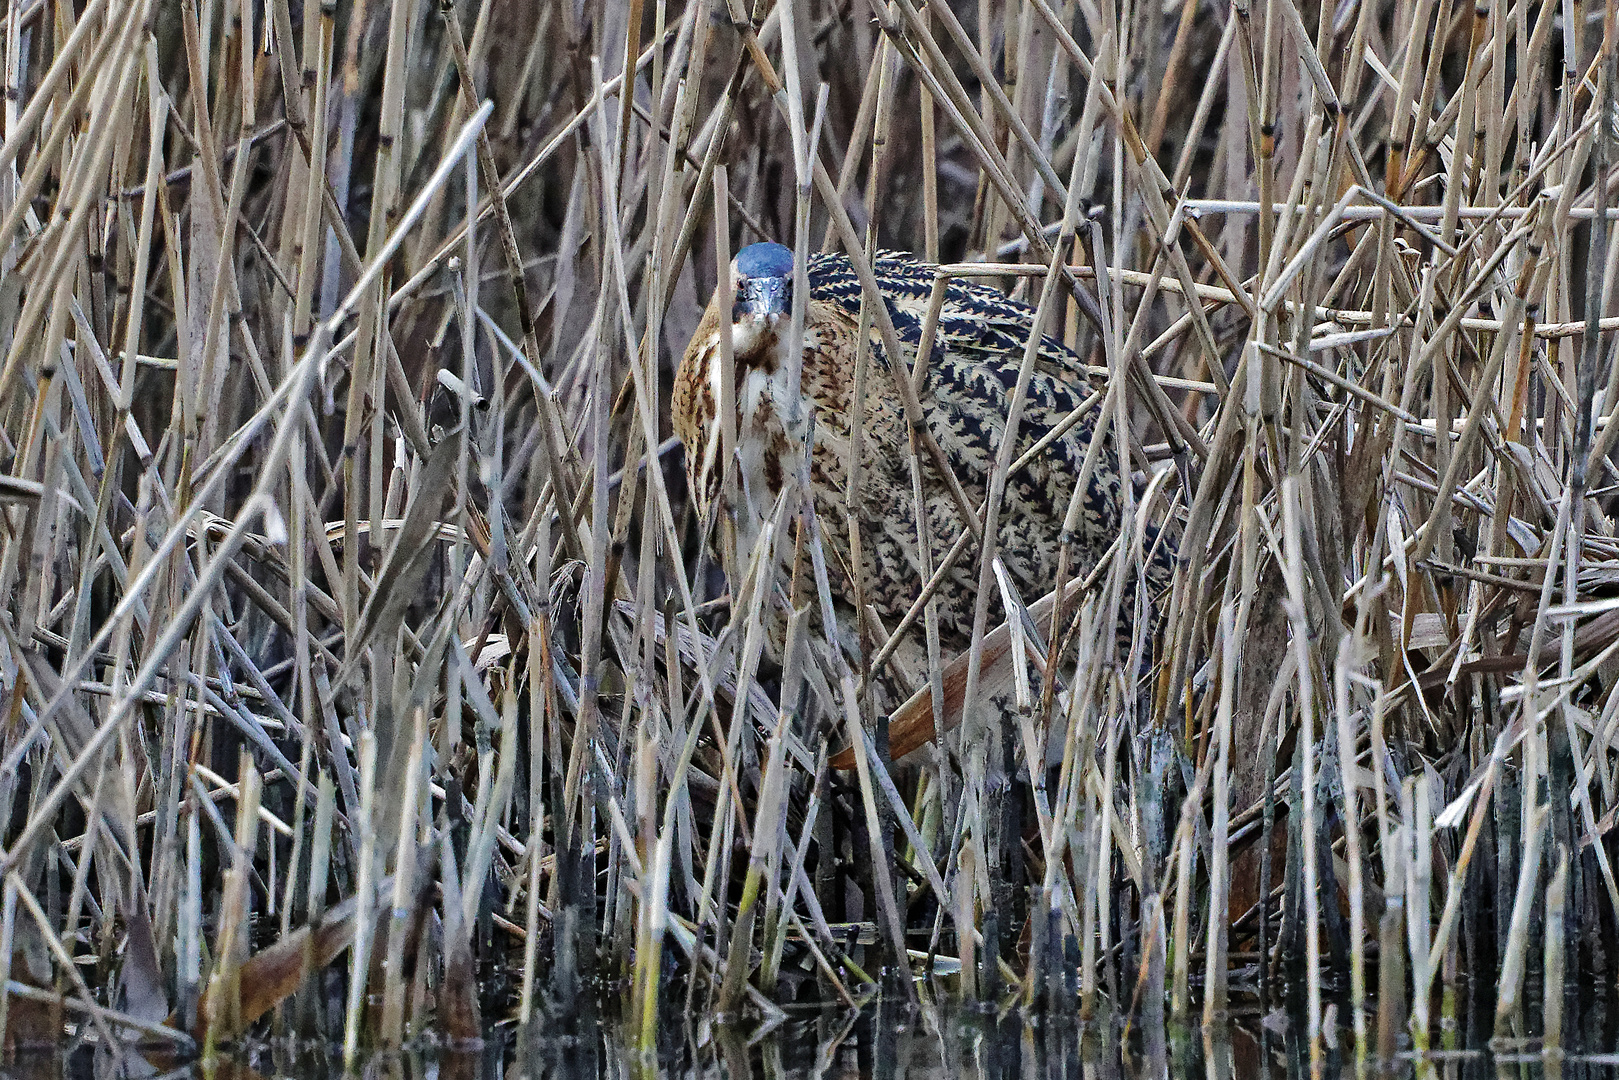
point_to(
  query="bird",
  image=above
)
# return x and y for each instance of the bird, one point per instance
(965, 392)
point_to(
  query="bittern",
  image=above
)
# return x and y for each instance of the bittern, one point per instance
(964, 393)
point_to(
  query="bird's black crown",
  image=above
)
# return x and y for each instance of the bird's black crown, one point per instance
(767, 260)
(764, 281)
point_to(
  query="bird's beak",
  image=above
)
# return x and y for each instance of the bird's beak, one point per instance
(761, 296)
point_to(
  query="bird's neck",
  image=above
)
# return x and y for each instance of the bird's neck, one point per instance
(760, 344)
(764, 373)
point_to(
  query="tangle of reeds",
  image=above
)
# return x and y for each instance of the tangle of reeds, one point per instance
(363, 669)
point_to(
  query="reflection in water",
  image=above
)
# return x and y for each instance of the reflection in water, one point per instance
(887, 1041)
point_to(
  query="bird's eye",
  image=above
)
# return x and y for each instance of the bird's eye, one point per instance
(761, 296)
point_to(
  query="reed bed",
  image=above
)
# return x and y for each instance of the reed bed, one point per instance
(365, 673)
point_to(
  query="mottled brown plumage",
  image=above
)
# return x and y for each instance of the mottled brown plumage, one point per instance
(965, 394)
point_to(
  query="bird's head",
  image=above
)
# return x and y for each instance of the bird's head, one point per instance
(764, 296)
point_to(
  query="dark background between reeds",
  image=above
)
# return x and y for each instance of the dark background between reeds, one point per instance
(363, 672)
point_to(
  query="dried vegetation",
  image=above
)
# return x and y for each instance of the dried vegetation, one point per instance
(363, 672)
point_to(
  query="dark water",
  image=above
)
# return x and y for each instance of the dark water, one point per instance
(889, 1041)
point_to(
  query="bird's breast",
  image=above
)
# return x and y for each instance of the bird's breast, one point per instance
(773, 416)
(765, 403)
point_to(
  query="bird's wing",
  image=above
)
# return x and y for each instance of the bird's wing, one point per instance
(977, 352)
(977, 323)
(967, 390)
